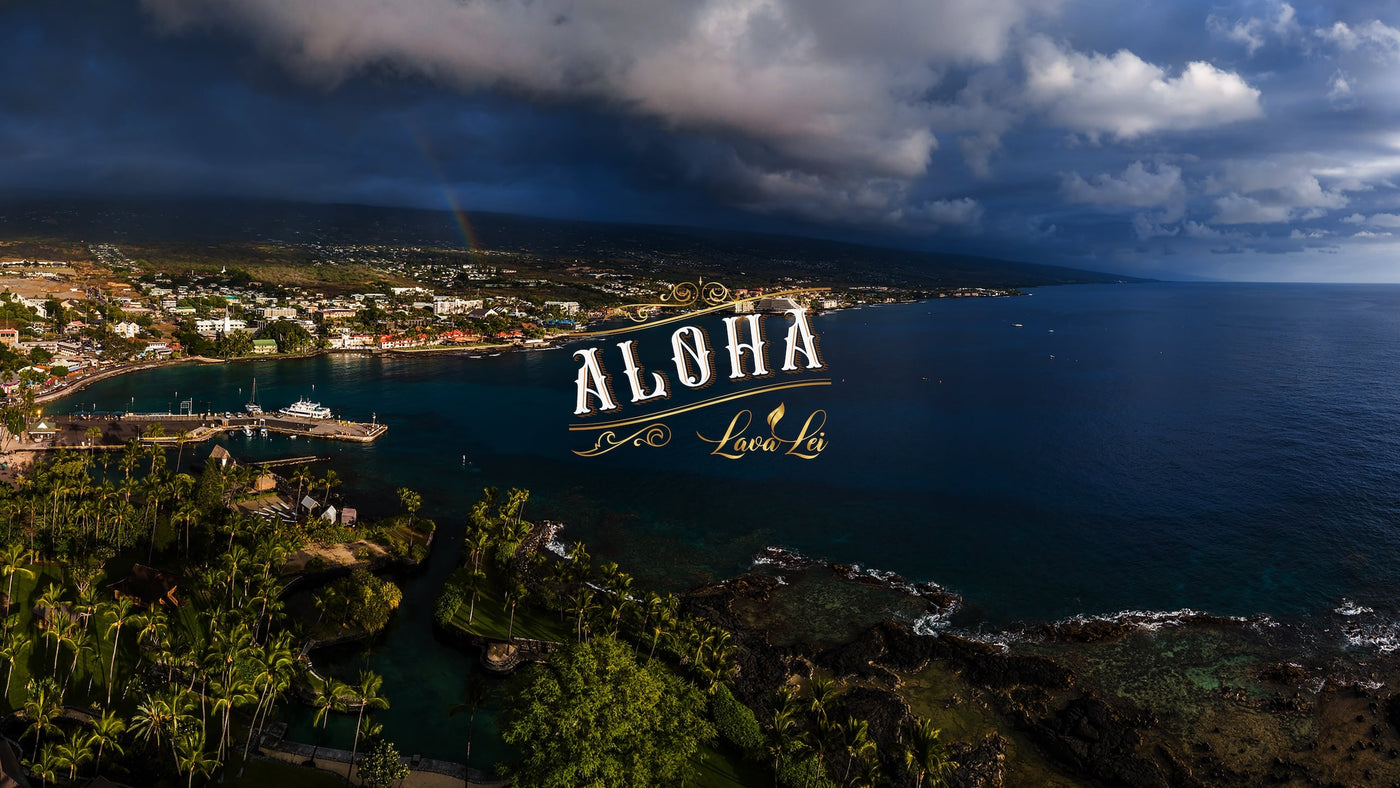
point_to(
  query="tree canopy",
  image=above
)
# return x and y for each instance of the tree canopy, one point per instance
(594, 717)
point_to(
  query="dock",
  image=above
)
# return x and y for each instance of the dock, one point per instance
(113, 431)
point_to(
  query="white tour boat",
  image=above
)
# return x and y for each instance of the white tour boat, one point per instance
(306, 409)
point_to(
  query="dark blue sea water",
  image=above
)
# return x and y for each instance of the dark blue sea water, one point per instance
(1229, 448)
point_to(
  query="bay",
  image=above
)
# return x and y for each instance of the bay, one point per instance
(1089, 449)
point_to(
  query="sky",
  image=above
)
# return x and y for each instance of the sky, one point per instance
(1238, 140)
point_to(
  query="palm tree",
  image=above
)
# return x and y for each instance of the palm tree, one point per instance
(13, 559)
(107, 730)
(583, 604)
(855, 740)
(475, 543)
(80, 640)
(410, 501)
(72, 752)
(16, 645)
(230, 691)
(43, 705)
(781, 724)
(331, 698)
(474, 579)
(366, 694)
(122, 610)
(155, 717)
(302, 476)
(331, 479)
(514, 594)
(190, 757)
(274, 665)
(46, 766)
(823, 690)
(924, 754)
(476, 694)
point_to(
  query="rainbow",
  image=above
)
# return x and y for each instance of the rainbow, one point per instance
(454, 206)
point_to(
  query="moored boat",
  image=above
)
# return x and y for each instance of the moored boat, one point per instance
(305, 408)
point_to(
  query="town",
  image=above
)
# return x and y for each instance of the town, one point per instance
(106, 309)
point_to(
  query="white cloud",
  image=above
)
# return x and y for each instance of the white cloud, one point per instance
(962, 211)
(1252, 32)
(1136, 187)
(1145, 228)
(1201, 231)
(1384, 219)
(1369, 234)
(1126, 96)
(1238, 209)
(1375, 37)
(1271, 191)
(1339, 89)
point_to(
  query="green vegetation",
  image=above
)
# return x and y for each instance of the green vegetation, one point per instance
(507, 586)
(382, 767)
(572, 728)
(735, 721)
(290, 336)
(181, 664)
(494, 617)
(360, 600)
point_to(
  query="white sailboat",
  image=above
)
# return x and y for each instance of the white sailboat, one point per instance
(253, 407)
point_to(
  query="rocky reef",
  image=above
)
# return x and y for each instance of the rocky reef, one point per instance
(1136, 699)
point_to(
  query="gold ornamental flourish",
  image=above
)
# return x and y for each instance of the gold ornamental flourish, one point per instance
(713, 295)
(653, 435)
(666, 414)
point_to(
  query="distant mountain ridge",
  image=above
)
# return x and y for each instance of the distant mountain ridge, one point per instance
(211, 221)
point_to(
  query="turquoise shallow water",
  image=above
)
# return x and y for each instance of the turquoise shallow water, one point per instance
(1230, 448)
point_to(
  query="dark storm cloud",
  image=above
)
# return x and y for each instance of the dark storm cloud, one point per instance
(1247, 140)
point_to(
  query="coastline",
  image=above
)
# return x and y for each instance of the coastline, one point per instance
(1138, 698)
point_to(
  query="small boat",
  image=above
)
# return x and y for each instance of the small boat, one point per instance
(247, 431)
(262, 431)
(253, 408)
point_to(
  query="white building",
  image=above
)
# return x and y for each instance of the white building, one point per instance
(567, 307)
(222, 325)
(451, 305)
(126, 330)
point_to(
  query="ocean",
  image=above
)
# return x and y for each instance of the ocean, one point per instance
(1089, 449)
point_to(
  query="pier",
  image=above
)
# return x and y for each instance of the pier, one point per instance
(113, 431)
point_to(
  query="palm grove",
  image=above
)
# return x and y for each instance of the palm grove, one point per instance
(638, 685)
(166, 691)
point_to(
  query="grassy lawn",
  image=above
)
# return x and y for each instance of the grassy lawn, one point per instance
(259, 773)
(492, 617)
(87, 686)
(713, 768)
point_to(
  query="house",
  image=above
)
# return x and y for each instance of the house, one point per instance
(43, 430)
(9, 337)
(221, 456)
(148, 586)
(126, 329)
(264, 347)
